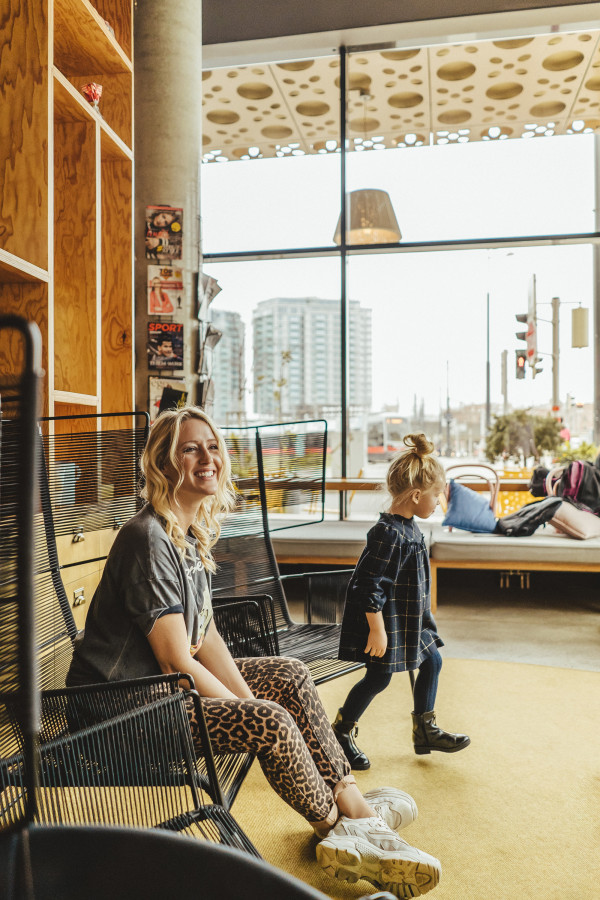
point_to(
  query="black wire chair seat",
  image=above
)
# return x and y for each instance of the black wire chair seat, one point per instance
(247, 569)
(280, 474)
(99, 862)
(137, 769)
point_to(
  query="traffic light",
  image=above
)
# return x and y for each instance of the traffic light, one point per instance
(535, 368)
(521, 335)
(521, 355)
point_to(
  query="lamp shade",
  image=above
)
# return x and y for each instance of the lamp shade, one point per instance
(370, 219)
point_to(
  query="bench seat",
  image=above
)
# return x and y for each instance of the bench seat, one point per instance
(341, 543)
(547, 550)
(329, 543)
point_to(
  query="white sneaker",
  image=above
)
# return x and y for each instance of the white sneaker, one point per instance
(369, 849)
(395, 807)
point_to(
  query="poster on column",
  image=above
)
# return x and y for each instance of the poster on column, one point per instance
(165, 290)
(165, 393)
(164, 233)
(165, 345)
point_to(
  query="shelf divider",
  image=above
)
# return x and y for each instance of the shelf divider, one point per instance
(13, 269)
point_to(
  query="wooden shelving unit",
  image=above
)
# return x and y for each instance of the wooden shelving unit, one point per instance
(66, 181)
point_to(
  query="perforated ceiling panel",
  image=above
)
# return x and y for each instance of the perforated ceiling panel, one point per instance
(489, 90)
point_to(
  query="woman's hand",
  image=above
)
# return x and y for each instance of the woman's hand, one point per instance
(215, 656)
(377, 641)
(169, 642)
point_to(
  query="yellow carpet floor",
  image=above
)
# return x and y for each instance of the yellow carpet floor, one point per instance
(515, 815)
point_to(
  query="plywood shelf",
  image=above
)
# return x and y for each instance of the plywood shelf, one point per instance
(72, 398)
(83, 45)
(14, 270)
(112, 145)
(71, 106)
(24, 131)
(66, 182)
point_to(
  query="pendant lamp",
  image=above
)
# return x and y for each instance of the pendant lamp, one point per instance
(370, 219)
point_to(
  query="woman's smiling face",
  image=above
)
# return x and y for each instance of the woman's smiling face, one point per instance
(200, 460)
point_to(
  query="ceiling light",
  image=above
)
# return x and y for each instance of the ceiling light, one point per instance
(370, 219)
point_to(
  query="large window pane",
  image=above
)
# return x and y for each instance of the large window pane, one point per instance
(429, 325)
(279, 356)
(271, 176)
(429, 336)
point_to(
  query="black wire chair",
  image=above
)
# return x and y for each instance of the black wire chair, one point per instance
(136, 769)
(35, 624)
(137, 865)
(89, 483)
(279, 471)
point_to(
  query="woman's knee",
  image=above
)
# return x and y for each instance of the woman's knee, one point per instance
(288, 667)
(273, 666)
(259, 723)
(267, 675)
(295, 670)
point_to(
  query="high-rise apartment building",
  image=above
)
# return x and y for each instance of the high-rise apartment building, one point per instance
(297, 358)
(228, 368)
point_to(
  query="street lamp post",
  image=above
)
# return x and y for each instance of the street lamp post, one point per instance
(448, 416)
(488, 409)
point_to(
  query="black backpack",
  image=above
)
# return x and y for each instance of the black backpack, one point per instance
(577, 481)
(524, 521)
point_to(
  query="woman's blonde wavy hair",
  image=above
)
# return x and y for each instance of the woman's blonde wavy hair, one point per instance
(414, 468)
(157, 490)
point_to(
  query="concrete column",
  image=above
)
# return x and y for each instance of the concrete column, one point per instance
(168, 152)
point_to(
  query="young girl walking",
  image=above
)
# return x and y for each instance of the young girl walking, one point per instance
(387, 620)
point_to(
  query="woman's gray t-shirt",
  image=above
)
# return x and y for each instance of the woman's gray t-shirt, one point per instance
(144, 578)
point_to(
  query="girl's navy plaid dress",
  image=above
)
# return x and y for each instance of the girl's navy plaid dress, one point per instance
(392, 575)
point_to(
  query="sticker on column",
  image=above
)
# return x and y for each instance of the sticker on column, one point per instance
(164, 233)
(165, 393)
(165, 290)
(165, 345)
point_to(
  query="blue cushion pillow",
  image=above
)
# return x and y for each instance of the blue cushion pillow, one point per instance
(468, 510)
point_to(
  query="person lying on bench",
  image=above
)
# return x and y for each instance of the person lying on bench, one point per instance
(152, 613)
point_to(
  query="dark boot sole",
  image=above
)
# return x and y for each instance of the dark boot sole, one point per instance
(359, 767)
(420, 751)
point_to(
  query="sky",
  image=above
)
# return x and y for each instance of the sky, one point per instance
(428, 309)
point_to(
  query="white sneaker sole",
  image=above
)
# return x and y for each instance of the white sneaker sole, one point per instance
(402, 873)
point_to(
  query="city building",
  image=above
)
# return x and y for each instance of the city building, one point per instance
(297, 354)
(228, 368)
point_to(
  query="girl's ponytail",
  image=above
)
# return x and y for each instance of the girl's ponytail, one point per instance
(415, 468)
(419, 444)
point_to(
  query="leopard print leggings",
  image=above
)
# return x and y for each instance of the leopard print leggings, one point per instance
(288, 730)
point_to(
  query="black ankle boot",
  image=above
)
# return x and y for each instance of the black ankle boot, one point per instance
(427, 736)
(346, 733)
